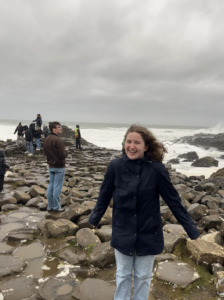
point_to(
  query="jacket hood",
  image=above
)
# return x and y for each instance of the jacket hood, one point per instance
(2, 153)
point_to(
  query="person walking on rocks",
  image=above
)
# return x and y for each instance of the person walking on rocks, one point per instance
(78, 137)
(135, 181)
(19, 130)
(56, 153)
(3, 168)
(38, 121)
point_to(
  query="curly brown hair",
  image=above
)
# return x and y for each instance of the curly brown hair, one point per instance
(156, 150)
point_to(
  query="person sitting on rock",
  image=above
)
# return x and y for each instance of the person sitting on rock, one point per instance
(29, 140)
(19, 130)
(135, 181)
(3, 168)
(56, 153)
(38, 121)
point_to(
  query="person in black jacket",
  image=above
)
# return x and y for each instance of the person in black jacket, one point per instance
(37, 135)
(3, 168)
(135, 181)
(38, 121)
(19, 130)
(29, 139)
(78, 137)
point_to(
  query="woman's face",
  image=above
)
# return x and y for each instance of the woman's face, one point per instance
(135, 145)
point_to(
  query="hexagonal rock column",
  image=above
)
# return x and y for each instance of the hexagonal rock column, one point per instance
(11, 265)
(177, 273)
(18, 288)
(205, 253)
(95, 289)
(56, 289)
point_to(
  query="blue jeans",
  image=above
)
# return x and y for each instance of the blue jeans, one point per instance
(29, 146)
(142, 267)
(38, 143)
(56, 179)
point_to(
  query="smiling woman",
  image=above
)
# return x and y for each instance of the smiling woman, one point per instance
(139, 140)
(135, 181)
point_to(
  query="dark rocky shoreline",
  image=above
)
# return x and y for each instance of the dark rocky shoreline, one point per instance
(204, 140)
(58, 256)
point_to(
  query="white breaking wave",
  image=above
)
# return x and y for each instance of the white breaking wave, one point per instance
(111, 137)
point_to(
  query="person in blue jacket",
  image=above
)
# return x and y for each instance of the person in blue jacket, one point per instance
(135, 182)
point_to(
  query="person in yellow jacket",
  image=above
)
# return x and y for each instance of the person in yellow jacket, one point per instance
(78, 137)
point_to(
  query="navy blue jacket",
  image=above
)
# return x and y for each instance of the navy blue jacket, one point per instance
(135, 186)
(3, 165)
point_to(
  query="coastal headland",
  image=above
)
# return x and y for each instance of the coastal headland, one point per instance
(58, 256)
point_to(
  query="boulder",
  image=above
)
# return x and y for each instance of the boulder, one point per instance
(33, 202)
(177, 273)
(86, 237)
(171, 240)
(174, 161)
(212, 221)
(205, 253)
(189, 156)
(21, 197)
(218, 173)
(198, 198)
(196, 211)
(7, 199)
(214, 237)
(59, 228)
(35, 190)
(7, 207)
(69, 255)
(104, 233)
(75, 210)
(165, 212)
(102, 255)
(205, 162)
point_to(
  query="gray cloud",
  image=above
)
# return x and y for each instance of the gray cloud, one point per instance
(156, 62)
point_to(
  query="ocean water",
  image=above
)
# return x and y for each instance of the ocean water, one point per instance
(111, 135)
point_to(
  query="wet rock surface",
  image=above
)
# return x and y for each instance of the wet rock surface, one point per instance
(176, 273)
(19, 288)
(95, 289)
(61, 250)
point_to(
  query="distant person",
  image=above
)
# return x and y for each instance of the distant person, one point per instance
(29, 140)
(3, 168)
(123, 143)
(19, 130)
(135, 181)
(56, 152)
(46, 130)
(38, 121)
(37, 135)
(78, 137)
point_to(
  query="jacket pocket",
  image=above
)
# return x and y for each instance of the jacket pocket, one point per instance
(157, 224)
(118, 220)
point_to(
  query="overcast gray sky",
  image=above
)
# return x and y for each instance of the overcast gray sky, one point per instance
(157, 62)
